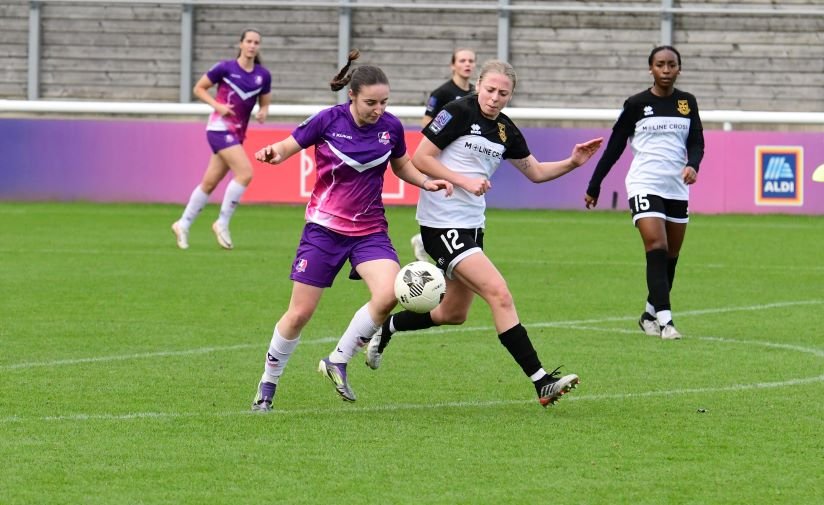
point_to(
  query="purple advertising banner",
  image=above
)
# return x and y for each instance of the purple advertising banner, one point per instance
(742, 172)
(162, 161)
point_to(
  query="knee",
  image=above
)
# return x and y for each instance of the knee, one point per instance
(657, 243)
(383, 302)
(296, 318)
(499, 297)
(207, 187)
(245, 178)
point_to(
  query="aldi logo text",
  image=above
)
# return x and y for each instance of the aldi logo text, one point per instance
(779, 175)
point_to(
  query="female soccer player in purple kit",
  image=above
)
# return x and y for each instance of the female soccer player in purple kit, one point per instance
(345, 220)
(241, 83)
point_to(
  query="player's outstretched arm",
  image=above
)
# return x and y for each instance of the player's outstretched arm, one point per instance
(545, 171)
(279, 151)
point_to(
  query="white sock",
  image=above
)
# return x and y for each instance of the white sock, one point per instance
(196, 203)
(650, 309)
(356, 336)
(664, 317)
(230, 201)
(279, 351)
(537, 375)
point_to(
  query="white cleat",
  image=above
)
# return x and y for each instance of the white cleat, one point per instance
(553, 389)
(181, 234)
(668, 332)
(222, 235)
(373, 355)
(417, 248)
(649, 325)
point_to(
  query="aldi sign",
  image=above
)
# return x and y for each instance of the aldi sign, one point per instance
(779, 175)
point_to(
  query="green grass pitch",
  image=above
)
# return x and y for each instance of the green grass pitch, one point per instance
(128, 367)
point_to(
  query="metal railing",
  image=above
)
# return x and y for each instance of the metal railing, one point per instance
(664, 9)
(727, 118)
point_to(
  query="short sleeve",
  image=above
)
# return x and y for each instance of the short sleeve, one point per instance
(217, 72)
(311, 130)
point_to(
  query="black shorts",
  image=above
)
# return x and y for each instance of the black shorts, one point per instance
(655, 206)
(448, 246)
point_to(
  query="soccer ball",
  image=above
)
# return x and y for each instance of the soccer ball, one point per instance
(420, 286)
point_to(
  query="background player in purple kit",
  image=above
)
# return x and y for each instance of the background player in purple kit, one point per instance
(345, 220)
(241, 83)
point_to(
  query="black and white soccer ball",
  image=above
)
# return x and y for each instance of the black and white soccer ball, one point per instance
(420, 286)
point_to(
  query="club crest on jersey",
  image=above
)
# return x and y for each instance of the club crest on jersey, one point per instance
(502, 131)
(683, 107)
(475, 129)
(648, 110)
(258, 79)
(440, 121)
(301, 264)
(384, 138)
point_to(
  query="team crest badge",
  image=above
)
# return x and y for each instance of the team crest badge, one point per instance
(502, 131)
(301, 264)
(383, 138)
(683, 107)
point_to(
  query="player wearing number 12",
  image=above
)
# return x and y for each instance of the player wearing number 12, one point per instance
(667, 144)
(465, 145)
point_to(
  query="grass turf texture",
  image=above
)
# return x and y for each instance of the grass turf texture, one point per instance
(128, 368)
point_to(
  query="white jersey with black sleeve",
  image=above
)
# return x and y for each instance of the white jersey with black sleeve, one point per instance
(471, 145)
(665, 134)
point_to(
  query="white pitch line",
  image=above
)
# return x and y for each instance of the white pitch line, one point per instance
(485, 404)
(640, 265)
(145, 355)
(411, 406)
(613, 319)
(439, 330)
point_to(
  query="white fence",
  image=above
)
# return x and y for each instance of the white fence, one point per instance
(728, 118)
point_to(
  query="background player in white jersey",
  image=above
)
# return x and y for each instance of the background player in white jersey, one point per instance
(345, 220)
(241, 83)
(465, 145)
(667, 141)
(458, 86)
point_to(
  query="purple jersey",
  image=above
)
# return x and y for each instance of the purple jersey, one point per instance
(351, 161)
(240, 89)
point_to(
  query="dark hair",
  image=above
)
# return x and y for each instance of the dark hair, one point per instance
(243, 36)
(366, 75)
(664, 48)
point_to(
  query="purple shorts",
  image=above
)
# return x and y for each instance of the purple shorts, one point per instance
(221, 140)
(322, 253)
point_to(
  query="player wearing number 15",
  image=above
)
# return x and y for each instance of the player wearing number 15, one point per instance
(667, 144)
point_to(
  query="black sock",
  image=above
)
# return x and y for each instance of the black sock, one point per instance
(671, 262)
(657, 283)
(520, 347)
(404, 321)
